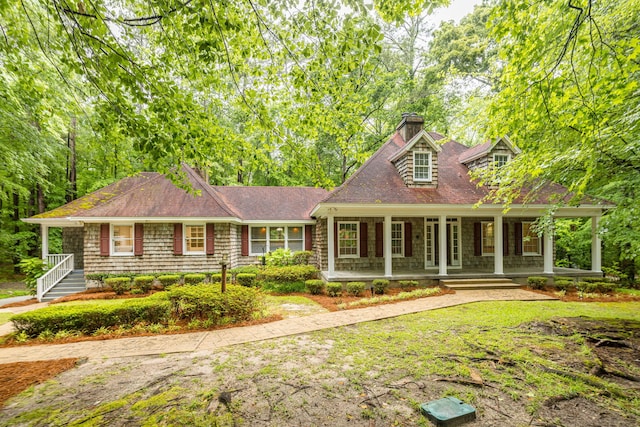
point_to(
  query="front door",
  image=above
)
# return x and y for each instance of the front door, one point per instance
(431, 246)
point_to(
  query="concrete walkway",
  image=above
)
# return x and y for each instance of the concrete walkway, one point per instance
(212, 340)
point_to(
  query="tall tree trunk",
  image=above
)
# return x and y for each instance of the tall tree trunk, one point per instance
(72, 190)
(40, 195)
(240, 176)
(16, 228)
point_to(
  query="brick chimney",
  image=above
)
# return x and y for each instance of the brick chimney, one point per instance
(410, 125)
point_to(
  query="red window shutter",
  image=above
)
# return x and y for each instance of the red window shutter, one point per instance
(505, 239)
(541, 244)
(308, 237)
(244, 241)
(138, 239)
(379, 239)
(210, 239)
(477, 238)
(408, 241)
(518, 238)
(104, 239)
(364, 242)
(177, 239)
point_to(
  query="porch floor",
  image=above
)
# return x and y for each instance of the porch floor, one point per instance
(417, 274)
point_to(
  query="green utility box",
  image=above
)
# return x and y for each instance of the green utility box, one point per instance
(448, 412)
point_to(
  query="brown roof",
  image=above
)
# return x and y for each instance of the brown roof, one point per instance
(273, 203)
(475, 151)
(153, 195)
(377, 181)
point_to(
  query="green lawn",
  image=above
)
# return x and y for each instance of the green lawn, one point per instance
(8, 293)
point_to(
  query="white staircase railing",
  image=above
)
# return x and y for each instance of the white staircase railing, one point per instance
(62, 266)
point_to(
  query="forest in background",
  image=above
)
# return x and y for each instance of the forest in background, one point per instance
(302, 93)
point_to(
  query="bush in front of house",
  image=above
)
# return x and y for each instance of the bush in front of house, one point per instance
(315, 286)
(593, 279)
(88, 317)
(143, 283)
(292, 273)
(253, 269)
(537, 282)
(355, 288)
(563, 285)
(194, 278)
(596, 287)
(33, 268)
(167, 280)
(406, 284)
(302, 257)
(380, 286)
(207, 302)
(245, 279)
(120, 285)
(217, 277)
(334, 289)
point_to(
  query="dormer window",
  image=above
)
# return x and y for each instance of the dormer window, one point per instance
(421, 166)
(499, 160)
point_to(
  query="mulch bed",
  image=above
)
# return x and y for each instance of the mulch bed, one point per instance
(16, 377)
(574, 296)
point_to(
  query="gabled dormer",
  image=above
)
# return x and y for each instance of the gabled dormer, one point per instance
(490, 154)
(417, 161)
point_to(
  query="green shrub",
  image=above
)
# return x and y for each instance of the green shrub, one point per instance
(251, 269)
(596, 287)
(143, 283)
(217, 277)
(279, 258)
(293, 273)
(334, 289)
(245, 279)
(565, 278)
(206, 302)
(537, 282)
(96, 276)
(355, 288)
(120, 285)
(593, 279)
(88, 317)
(194, 278)
(563, 285)
(33, 268)
(314, 286)
(302, 257)
(283, 287)
(380, 286)
(167, 280)
(406, 284)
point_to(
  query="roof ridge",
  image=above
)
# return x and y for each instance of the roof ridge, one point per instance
(362, 166)
(215, 195)
(156, 175)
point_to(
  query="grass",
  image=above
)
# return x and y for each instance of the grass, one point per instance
(4, 317)
(9, 293)
(626, 291)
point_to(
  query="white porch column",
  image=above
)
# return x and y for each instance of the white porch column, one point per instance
(497, 245)
(442, 245)
(596, 246)
(44, 232)
(548, 250)
(388, 257)
(330, 245)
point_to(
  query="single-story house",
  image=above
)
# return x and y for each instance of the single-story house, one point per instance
(411, 210)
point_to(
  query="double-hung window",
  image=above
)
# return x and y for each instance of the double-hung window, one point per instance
(397, 239)
(194, 238)
(348, 239)
(421, 166)
(499, 160)
(530, 240)
(122, 239)
(488, 238)
(266, 239)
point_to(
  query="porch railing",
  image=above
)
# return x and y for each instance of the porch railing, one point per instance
(62, 266)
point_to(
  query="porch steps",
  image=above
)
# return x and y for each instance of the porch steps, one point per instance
(71, 284)
(461, 284)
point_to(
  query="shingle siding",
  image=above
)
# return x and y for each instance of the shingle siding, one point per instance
(404, 165)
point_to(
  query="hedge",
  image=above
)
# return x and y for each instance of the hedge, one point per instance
(564, 285)
(334, 289)
(90, 316)
(206, 302)
(169, 279)
(537, 282)
(194, 278)
(246, 279)
(406, 284)
(380, 286)
(292, 273)
(355, 288)
(143, 283)
(120, 285)
(596, 287)
(315, 286)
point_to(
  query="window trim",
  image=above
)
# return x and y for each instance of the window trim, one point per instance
(401, 254)
(267, 241)
(357, 239)
(184, 239)
(430, 165)
(495, 162)
(524, 237)
(111, 239)
(482, 238)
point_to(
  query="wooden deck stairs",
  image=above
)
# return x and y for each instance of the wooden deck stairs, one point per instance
(460, 284)
(71, 284)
